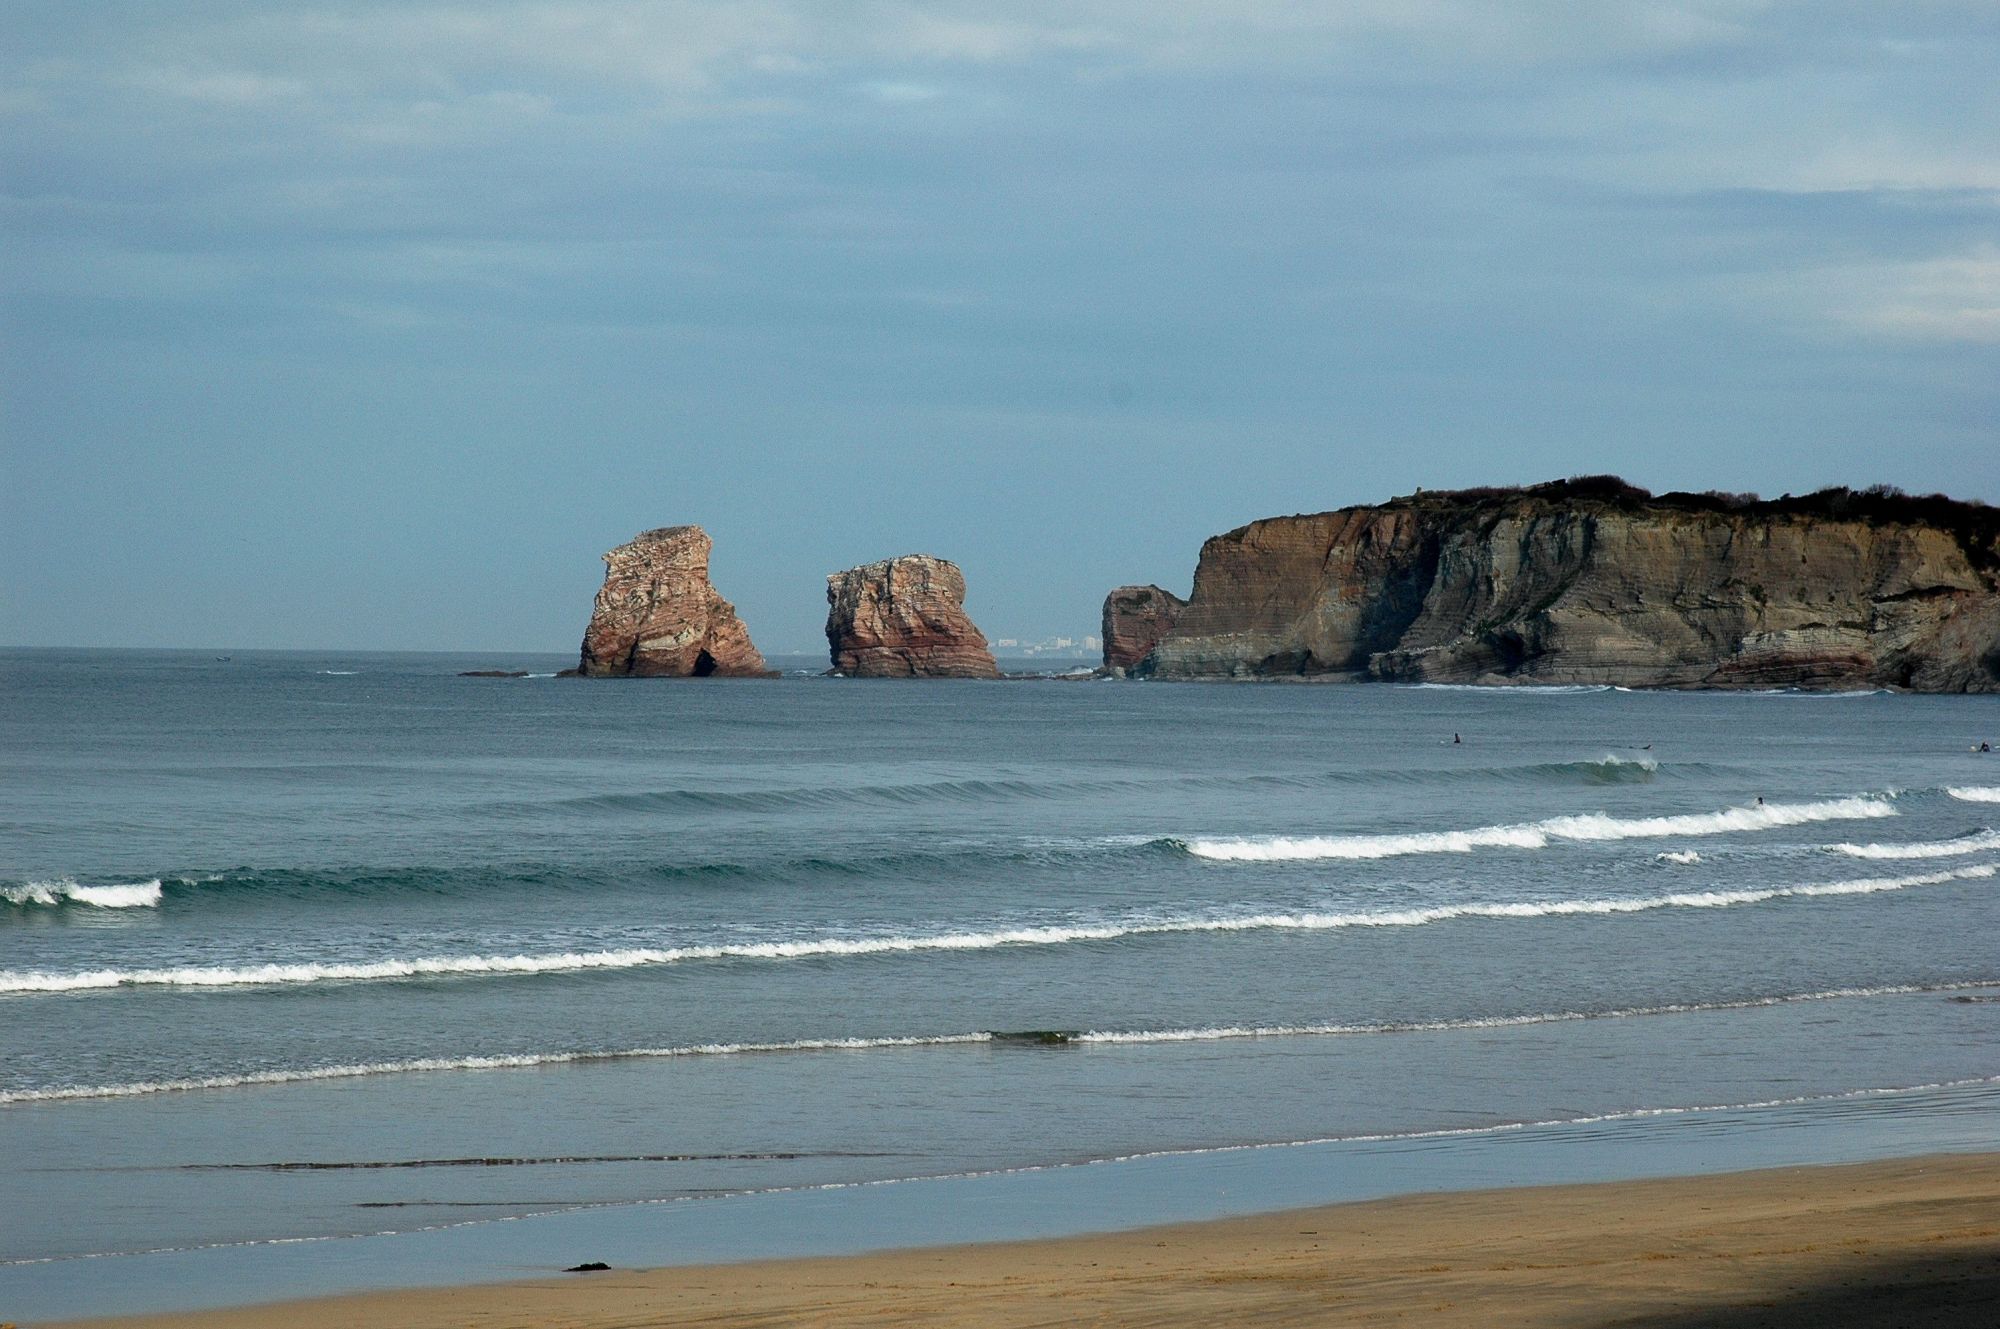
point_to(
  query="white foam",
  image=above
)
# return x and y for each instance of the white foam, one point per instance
(1976, 793)
(125, 895)
(1964, 844)
(225, 976)
(1683, 856)
(1217, 1033)
(1226, 1032)
(488, 1063)
(1515, 689)
(1589, 827)
(1633, 1114)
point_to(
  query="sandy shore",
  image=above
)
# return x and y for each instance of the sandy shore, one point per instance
(1907, 1242)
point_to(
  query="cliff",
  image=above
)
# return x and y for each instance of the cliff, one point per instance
(1595, 581)
(1135, 619)
(657, 616)
(904, 618)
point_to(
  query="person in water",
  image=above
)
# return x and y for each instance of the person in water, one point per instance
(1456, 739)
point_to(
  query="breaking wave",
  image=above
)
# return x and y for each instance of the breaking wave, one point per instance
(1224, 1032)
(1216, 1033)
(508, 1061)
(123, 895)
(1964, 844)
(1514, 689)
(1975, 793)
(1681, 856)
(447, 966)
(1538, 834)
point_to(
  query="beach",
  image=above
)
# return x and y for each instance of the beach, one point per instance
(1910, 1241)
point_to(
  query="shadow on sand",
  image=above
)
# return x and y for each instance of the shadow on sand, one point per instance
(1957, 1291)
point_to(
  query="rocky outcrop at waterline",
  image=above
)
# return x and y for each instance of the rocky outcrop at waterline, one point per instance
(1135, 620)
(1596, 581)
(904, 618)
(657, 616)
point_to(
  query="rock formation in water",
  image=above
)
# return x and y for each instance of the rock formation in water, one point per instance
(1595, 581)
(904, 618)
(1135, 618)
(657, 616)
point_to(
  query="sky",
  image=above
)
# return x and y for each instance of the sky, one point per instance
(372, 325)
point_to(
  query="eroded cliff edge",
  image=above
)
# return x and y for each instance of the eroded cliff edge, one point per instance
(1595, 581)
(1136, 618)
(657, 616)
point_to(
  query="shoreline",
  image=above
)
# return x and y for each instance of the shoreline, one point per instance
(1905, 1240)
(1050, 1205)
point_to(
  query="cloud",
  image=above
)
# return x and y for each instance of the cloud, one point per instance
(219, 87)
(901, 93)
(1948, 299)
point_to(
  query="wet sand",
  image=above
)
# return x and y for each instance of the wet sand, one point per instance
(1905, 1242)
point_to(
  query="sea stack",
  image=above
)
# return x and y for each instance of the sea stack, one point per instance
(1594, 581)
(657, 616)
(904, 618)
(1135, 618)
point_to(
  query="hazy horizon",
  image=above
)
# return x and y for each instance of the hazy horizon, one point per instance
(357, 325)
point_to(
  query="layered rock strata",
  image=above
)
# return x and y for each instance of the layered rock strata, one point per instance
(1135, 619)
(657, 616)
(1596, 582)
(904, 618)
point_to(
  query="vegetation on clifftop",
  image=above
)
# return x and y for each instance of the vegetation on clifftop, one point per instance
(1975, 525)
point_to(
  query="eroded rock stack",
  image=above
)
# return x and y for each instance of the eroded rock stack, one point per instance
(1598, 582)
(904, 618)
(1135, 619)
(657, 615)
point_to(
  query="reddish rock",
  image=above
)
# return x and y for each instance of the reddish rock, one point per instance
(1596, 582)
(1135, 618)
(904, 618)
(657, 616)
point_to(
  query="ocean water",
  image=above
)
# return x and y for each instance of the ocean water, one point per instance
(298, 946)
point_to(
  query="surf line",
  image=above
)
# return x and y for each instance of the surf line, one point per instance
(22, 982)
(1041, 1038)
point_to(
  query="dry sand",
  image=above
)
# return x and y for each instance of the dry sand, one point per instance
(1906, 1243)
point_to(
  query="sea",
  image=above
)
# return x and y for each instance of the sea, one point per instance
(332, 971)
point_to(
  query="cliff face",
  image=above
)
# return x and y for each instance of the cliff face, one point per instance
(1135, 619)
(904, 618)
(657, 616)
(1531, 588)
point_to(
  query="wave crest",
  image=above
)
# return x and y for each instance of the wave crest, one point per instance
(1051, 1038)
(1975, 843)
(1589, 827)
(55, 894)
(442, 966)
